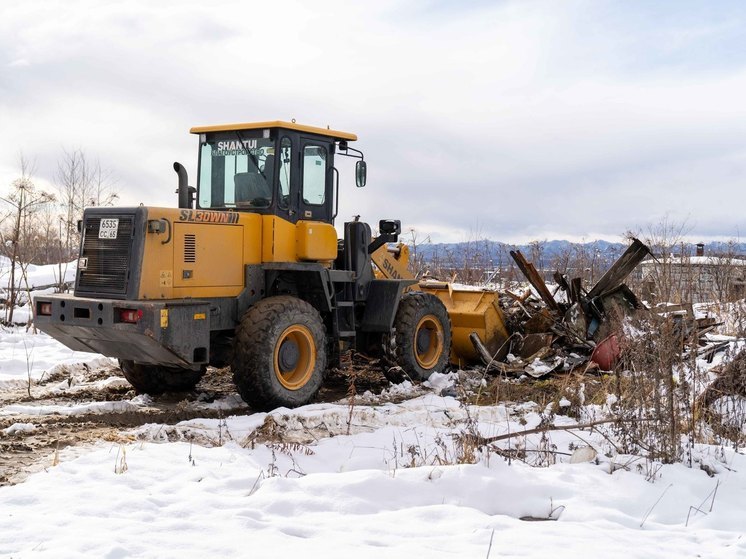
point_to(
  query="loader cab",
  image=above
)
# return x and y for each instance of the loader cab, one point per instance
(276, 168)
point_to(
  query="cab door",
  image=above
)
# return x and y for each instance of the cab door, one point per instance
(287, 182)
(316, 180)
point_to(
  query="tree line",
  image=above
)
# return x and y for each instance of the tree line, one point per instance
(673, 273)
(39, 225)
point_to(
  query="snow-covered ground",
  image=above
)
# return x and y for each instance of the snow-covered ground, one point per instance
(34, 278)
(24, 354)
(346, 496)
(379, 480)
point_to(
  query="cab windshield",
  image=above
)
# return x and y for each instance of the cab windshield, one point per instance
(236, 171)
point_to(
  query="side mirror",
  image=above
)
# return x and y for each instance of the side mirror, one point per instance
(361, 171)
(389, 226)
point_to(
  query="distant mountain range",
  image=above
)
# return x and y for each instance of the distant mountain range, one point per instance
(495, 253)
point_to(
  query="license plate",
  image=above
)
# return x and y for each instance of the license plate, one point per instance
(108, 228)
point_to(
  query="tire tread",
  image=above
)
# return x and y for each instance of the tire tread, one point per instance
(253, 354)
(413, 306)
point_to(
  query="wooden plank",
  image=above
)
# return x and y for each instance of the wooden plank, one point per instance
(535, 280)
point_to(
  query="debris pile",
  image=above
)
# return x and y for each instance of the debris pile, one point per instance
(551, 334)
(695, 332)
(581, 328)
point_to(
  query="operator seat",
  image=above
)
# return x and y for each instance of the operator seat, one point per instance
(251, 185)
(269, 169)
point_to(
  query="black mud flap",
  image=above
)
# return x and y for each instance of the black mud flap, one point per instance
(382, 303)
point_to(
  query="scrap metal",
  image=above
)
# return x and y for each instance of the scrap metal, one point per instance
(582, 330)
(548, 335)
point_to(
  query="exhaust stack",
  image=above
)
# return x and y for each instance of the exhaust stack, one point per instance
(186, 192)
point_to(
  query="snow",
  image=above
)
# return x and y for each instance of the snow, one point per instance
(19, 428)
(732, 315)
(38, 275)
(359, 494)
(92, 407)
(377, 479)
(35, 278)
(24, 353)
(696, 261)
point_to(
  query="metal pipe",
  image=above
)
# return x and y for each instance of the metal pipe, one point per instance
(183, 189)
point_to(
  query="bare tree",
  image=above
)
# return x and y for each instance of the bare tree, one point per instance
(21, 238)
(666, 278)
(537, 248)
(417, 263)
(80, 184)
(726, 272)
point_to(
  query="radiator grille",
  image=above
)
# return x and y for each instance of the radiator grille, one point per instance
(190, 248)
(108, 260)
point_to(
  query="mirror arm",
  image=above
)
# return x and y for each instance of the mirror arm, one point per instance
(357, 155)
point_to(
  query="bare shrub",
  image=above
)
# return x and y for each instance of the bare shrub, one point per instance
(417, 264)
(656, 385)
(19, 236)
(81, 183)
(723, 402)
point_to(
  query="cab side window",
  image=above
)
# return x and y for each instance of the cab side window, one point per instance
(314, 174)
(286, 154)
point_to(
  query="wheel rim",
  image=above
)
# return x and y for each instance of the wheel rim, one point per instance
(428, 341)
(295, 357)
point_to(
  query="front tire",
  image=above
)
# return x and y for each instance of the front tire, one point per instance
(157, 379)
(279, 353)
(422, 339)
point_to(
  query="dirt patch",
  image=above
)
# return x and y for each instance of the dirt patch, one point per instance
(24, 454)
(356, 378)
(76, 405)
(79, 405)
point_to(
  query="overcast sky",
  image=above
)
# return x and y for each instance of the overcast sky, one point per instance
(512, 120)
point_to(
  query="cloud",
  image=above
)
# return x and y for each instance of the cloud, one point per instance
(513, 120)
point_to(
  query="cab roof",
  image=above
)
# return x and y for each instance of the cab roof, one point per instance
(336, 134)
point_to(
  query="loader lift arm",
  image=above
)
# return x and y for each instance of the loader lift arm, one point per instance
(471, 310)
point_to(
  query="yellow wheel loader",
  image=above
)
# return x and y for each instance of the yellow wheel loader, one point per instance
(248, 272)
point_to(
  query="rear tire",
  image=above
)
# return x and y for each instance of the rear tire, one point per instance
(422, 339)
(279, 353)
(157, 379)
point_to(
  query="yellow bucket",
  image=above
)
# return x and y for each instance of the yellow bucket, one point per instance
(471, 310)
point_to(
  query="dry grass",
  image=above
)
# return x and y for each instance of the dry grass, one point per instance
(579, 389)
(652, 392)
(722, 405)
